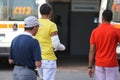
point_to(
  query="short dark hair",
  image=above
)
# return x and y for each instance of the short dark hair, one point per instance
(107, 15)
(29, 28)
(45, 8)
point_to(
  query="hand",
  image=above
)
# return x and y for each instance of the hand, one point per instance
(38, 63)
(10, 61)
(91, 73)
(61, 47)
(55, 49)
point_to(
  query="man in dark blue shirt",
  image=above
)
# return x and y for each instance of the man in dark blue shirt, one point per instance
(25, 51)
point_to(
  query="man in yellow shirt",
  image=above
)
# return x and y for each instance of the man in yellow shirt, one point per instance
(49, 41)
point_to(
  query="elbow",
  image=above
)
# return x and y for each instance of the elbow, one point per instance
(59, 46)
(56, 43)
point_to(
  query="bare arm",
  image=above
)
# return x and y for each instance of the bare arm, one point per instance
(38, 63)
(10, 61)
(91, 54)
(56, 42)
(91, 59)
(54, 33)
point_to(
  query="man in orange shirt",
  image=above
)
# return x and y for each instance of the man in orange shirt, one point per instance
(103, 43)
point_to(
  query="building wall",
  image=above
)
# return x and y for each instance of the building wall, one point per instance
(75, 24)
(82, 23)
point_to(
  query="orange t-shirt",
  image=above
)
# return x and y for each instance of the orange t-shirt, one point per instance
(105, 37)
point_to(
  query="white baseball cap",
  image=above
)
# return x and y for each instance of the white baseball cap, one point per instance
(31, 21)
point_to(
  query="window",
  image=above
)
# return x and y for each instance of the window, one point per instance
(17, 10)
(20, 9)
(3, 10)
(114, 5)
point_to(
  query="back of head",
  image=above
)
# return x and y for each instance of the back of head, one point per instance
(107, 15)
(45, 9)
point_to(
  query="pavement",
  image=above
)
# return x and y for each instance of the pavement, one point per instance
(72, 68)
(69, 68)
(71, 62)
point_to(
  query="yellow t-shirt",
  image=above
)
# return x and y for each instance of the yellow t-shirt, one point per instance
(44, 38)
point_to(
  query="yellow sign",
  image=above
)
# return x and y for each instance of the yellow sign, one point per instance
(22, 10)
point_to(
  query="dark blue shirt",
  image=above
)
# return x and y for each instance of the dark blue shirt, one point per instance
(25, 50)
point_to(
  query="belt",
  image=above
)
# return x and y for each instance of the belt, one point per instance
(25, 67)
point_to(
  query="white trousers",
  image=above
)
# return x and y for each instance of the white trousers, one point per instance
(106, 73)
(47, 71)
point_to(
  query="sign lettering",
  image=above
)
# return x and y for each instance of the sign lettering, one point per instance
(22, 10)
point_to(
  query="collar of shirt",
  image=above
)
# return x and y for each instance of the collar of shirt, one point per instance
(27, 33)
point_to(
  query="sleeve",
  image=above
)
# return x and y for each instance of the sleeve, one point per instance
(11, 51)
(55, 39)
(118, 33)
(92, 40)
(56, 43)
(37, 51)
(53, 28)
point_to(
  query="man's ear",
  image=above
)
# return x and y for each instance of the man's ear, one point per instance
(34, 27)
(102, 19)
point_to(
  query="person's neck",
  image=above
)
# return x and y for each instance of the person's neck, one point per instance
(29, 31)
(105, 22)
(45, 17)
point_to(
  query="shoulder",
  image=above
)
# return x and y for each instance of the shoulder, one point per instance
(34, 40)
(114, 28)
(52, 23)
(117, 30)
(46, 21)
(25, 37)
(95, 29)
(53, 26)
(99, 27)
(19, 36)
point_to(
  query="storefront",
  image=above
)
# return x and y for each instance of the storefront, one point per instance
(75, 20)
